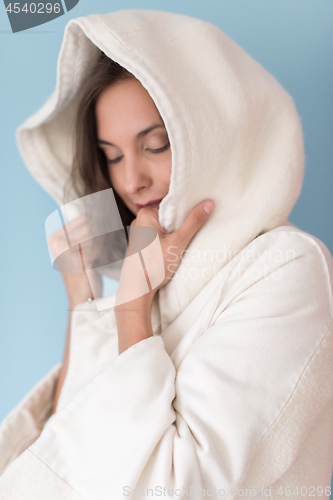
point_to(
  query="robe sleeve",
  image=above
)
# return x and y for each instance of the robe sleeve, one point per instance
(24, 424)
(140, 423)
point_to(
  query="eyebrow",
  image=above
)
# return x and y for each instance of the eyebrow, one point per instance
(139, 135)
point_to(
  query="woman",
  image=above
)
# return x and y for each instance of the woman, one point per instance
(114, 104)
(217, 382)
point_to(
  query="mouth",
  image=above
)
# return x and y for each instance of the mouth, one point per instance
(152, 204)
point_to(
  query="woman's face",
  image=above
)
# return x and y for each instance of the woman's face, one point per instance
(132, 134)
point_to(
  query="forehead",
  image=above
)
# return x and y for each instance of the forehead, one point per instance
(124, 99)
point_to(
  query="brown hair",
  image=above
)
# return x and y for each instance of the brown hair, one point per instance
(89, 172)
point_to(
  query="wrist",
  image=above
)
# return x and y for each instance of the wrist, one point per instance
(73, 302)
(133, 320)
(78, 296)
(141, 305)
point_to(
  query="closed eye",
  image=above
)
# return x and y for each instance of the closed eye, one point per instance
(155, 151)
(160, 150)
(116, 160)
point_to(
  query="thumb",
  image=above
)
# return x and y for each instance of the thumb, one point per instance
(195, 221)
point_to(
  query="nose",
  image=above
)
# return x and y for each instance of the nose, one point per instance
(136, 176)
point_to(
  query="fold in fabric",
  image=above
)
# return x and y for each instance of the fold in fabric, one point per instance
(142, 423)
(24, 424)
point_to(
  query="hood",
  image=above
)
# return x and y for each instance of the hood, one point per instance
(234, 132)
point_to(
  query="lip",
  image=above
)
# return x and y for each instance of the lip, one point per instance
(152, 202)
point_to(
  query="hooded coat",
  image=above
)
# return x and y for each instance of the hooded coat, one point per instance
(234, 390)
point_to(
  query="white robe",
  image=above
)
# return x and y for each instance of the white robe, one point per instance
(234, 390)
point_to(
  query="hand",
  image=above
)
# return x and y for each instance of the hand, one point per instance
(178, 240)
(79, 288)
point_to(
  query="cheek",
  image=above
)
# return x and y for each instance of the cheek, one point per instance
(166, 171)
(115, 180)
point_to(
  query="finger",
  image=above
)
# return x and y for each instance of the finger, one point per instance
(148, 216)
(147, 213)
(81, 219)
(75, 224)
(194, 221)
(78, 235)
(91, 251)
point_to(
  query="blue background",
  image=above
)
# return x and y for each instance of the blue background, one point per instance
(291, 39)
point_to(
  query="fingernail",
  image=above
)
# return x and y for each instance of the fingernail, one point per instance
(208, 208)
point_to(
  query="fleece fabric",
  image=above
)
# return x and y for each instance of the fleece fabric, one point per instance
(233, 394)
